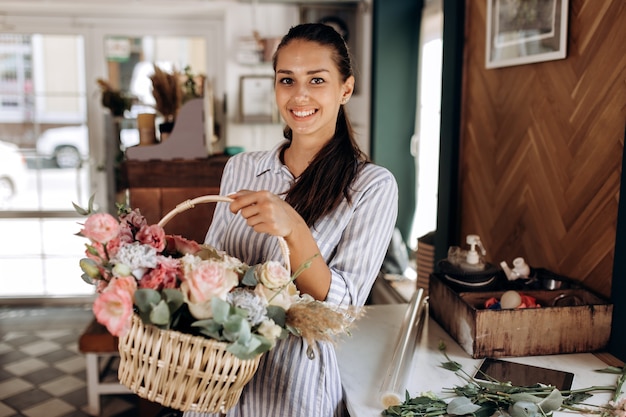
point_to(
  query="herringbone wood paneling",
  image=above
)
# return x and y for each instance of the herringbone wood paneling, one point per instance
(542, 145)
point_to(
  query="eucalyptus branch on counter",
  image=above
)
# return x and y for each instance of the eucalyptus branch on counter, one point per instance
(486, 398)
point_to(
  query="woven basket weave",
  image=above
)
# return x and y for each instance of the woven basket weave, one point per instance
(179, 370)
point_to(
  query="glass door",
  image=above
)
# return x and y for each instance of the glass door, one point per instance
(44, 162)
(49, 156)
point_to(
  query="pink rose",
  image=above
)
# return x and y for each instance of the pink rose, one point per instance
(165, 275)
(114, 306)
(205, 279)
(101, 227)
(152, 235)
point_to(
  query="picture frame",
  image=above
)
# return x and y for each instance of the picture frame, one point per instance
(517, 34)
(256, 99)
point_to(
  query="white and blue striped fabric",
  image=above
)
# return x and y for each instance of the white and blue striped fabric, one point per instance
(353, 240)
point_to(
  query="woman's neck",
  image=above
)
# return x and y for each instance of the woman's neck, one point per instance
(298, 159)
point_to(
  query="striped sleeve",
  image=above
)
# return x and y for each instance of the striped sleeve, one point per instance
(361, 248)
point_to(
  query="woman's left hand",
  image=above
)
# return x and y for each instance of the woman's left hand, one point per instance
(265, 212)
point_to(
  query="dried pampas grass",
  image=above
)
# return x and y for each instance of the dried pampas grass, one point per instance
(167, 92)
(320, 322)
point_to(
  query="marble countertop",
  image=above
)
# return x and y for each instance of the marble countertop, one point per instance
(365, 356)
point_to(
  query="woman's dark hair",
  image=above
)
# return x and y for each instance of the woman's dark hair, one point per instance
(327, 180)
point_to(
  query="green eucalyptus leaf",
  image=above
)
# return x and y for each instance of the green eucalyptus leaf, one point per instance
(249, 278)
(146, 299)
(552, 402)
(451, 366)
(241, 351)
(173, 298)
(160, 314)
(209, 327)
(526, 397)
(461, 406)
(221, 310)
(524, 409)
(278, 314)
(488, 409)
(263, 344)
(237, 329)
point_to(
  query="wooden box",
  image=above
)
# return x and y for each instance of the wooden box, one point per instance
(522, 332)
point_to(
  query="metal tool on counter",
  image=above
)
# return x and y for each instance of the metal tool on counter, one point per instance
(393, 388)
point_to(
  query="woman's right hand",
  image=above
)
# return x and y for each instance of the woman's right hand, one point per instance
(267, 213)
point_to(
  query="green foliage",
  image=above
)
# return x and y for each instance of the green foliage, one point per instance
(249, 278)
(230, 324)
(156, 307)
(85, 211)
(483, 398)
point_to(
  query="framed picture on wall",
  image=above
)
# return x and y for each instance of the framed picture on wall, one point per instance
(256, 99)
(520, 34)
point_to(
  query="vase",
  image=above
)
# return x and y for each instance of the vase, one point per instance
(165, 129)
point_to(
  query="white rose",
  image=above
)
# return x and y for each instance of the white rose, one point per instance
(272, 274)
(283, 298)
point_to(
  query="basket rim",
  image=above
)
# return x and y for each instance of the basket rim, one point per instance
(214, 198)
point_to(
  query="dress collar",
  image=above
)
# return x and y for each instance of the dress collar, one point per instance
(270, 161)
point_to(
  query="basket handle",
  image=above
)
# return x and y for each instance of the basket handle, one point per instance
(189, 204)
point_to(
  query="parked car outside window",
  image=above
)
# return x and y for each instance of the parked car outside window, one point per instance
(13, 176)
(68, 146)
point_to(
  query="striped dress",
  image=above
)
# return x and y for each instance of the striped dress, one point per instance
(353, 240)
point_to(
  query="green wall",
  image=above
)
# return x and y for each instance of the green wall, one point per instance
(394, 90)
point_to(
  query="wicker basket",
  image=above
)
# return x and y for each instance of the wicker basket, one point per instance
(179, 370)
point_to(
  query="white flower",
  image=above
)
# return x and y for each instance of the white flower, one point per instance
(249, 301)
(272, 274)
(282, 298)
(136, 257)
(270, 330)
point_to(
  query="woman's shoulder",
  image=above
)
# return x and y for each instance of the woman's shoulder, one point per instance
(371, 174)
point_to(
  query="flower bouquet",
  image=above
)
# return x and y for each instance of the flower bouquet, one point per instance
(193, 321)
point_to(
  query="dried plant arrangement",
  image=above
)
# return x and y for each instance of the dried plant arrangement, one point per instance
(167, 92)
(114, 100)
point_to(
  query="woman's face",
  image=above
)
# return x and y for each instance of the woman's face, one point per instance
(309, 90)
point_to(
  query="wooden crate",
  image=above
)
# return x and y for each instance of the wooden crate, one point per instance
(521, 332)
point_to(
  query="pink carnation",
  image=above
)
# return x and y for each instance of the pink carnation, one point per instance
(152, 235)
(178, 244)
(101, 227)
(114, 306)
(165, 275)
(126, 233)
(134, 219)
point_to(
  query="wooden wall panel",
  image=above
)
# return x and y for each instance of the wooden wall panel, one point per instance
(542, 145)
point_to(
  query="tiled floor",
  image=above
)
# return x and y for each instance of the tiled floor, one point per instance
(42, 373)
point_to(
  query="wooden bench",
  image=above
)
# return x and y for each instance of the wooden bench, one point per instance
(100, 350)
